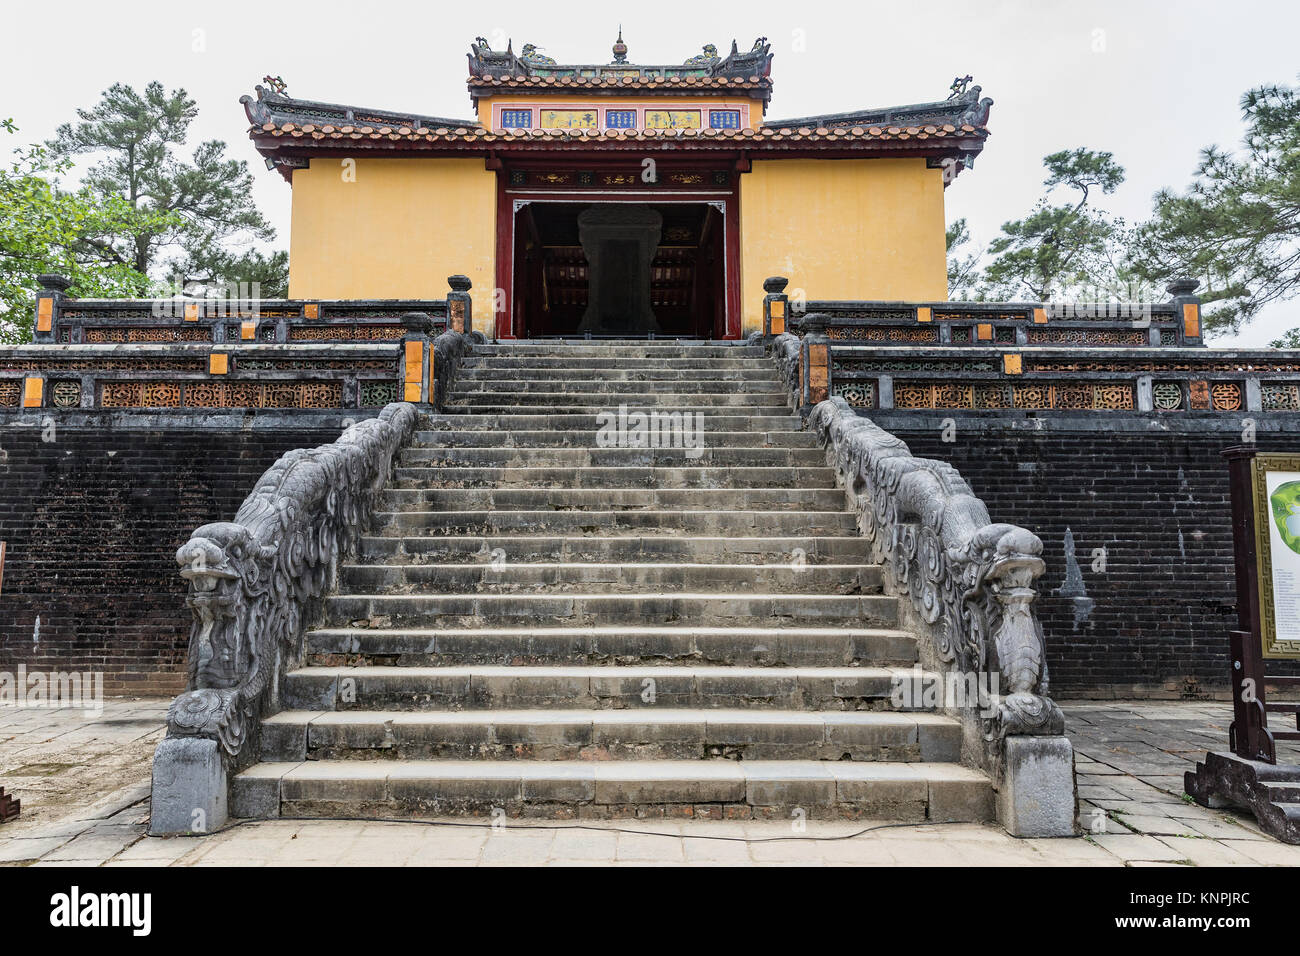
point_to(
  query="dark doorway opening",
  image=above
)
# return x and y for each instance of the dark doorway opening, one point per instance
(553, 279)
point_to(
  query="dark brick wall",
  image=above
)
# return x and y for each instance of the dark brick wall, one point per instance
(92, 521)
(1156, 500)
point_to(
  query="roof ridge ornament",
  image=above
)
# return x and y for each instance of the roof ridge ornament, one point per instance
(958, 89)
(977, 113)
(620, 48)
(709, 56)
(531, 54)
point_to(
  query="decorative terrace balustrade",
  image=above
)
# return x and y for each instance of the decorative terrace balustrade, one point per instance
(1172, 324)
(1103, 380)
(830, 355)
(62, 319)
(255, 354)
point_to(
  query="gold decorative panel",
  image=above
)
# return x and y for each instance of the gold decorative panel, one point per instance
(672, 119)
(569, 119)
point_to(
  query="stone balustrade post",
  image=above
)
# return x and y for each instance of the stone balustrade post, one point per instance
(49, 303)
(1187, 306)
(417, 358)
(775, 306)
(460, 316)
(814, 359)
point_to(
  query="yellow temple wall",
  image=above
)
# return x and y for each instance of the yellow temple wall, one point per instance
(395, 232)
(842, 229)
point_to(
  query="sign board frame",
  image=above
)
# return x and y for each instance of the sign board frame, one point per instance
(1262, 465)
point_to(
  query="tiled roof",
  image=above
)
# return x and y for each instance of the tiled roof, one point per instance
(287, 131)
(473, 133)
(276, 108)
(965, 110)
(637, 84)
(493, 70)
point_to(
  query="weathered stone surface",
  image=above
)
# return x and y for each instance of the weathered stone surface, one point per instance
(1270, 791)
(542, 622)
(1036, 795)
(189, 787)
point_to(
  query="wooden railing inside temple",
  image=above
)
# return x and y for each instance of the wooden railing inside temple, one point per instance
(229, 353)
(1116, 357)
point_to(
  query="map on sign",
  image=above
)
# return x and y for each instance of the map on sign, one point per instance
(1277, 539)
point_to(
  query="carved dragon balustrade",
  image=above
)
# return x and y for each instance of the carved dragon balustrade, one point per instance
(969, 578)
(255, 581)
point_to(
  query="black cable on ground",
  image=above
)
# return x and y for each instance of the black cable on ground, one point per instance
(235, 824)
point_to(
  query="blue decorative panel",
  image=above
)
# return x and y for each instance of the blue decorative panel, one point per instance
(620, 119)
(724, 119)
(516, 119)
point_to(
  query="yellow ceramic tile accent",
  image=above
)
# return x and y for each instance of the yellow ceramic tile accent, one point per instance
(414, 370)
(33, 391)
(311, 310)
(923, 313)
(218, 363)
(1191, 320)
(44, 314)
(191, 311)
(1011, 363)
(1040, 316)
(247, 330)
(984, 332)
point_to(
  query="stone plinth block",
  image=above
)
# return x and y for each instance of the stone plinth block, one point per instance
(1037, 795)
(189, 787)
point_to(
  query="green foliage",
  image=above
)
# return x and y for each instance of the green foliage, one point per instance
(248, 273)
(963, 267)
(1237, 227)
(44, 228)
(206, 200)
(1065, 245)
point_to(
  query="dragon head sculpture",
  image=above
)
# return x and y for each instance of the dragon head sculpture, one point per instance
(219, 563)
(1009, 560)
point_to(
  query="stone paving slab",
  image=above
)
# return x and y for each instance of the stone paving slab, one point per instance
(86, 778)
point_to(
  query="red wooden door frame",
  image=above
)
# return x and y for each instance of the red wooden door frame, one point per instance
(510, 326)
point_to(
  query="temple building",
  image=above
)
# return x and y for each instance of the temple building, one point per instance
(616, 199)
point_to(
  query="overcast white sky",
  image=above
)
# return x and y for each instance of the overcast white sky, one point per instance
(1153, 82)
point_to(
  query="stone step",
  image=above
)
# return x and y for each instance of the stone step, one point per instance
(609, 400)
(656, 349)
(476, 407)
(709, 523)
(712, 422)
(651, 733)
(677, 434)
(758, 646)
(591, 609)
(645, 688)
(610, 499)
(523, 364)
(612, 388)
(648, 371)
(568, 457)
(845, 549)
(915, 792)
(671, 435)
(465, 476)
(607, 578)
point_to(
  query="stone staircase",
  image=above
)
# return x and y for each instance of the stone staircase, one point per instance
(544, 625)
